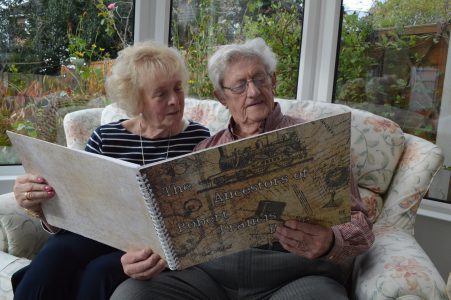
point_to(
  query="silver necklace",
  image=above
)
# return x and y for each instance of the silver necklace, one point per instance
(141, 141)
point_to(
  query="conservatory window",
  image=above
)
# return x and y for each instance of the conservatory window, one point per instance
(393, 62)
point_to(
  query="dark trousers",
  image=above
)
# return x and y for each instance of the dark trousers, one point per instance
(70, 266)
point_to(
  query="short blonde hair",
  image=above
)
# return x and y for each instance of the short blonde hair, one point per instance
(138, 65)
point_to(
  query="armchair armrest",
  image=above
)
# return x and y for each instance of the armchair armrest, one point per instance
(79, 125)
(9, 264)
(448, 286)
(394, 267)
(419, 163)
(20, 235)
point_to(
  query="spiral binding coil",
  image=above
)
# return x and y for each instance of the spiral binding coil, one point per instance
(158, 222)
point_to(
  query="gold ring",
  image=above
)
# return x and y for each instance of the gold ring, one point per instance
(28, 195)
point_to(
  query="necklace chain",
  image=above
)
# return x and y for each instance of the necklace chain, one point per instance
(141, 141)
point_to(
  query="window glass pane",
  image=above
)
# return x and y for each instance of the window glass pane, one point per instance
(392, 61)
(54, 56)
(198, 26)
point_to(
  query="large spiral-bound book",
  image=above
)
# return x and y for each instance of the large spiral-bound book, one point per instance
(203, 205)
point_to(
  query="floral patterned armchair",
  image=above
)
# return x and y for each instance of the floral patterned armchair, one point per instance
(394, 171)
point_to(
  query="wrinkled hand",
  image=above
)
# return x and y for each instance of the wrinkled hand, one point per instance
(31, 191)
(142, 264)
(307, 240)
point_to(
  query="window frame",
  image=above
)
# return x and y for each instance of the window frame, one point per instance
(316, 80)
(444, 121)
(320, 31)
(152, 20)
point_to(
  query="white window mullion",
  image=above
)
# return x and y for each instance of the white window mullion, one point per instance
(318, 50)
(152, 20)
(444, 121)
(307, 67)
(327, 49)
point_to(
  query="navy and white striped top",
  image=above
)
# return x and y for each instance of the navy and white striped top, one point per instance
(115, 141)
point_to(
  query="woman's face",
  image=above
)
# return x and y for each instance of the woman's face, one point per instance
(163, 102)
(256, 102)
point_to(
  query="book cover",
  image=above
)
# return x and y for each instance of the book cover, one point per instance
(96, 196)
(202, 205)
(228, 198)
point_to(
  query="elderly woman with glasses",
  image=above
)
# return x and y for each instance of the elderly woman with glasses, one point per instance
(308, 261)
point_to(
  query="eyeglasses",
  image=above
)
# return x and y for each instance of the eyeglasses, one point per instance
(259, 81)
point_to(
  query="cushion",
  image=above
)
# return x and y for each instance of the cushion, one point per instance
(377, 146)
(20, 235)
(79, 125)
(416, 167)
(377, 143)
(373, 203)
(112, 113)
(9, 265)
(211, 113)
(396, 267)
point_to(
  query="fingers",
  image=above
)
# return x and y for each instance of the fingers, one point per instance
(302, 226)
(142, 264)
(308, 240)
(34, 198)
(30, 178)
(134, 256)
(293, 241)
(31, 190)
(157, 267)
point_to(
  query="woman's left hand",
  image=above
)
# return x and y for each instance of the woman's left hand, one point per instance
(307, 240)
(142, 264)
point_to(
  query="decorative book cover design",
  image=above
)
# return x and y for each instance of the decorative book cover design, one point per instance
(209, 203)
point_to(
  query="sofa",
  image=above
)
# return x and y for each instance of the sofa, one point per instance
(393, 169)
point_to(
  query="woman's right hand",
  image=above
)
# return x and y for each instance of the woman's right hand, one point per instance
(31, 191)
(142, 264)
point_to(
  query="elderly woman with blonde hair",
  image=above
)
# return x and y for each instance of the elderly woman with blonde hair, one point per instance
(149, 81)
(308, 261)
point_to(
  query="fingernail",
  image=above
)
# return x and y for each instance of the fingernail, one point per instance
(48, 188)
(40, 179)
(51, 193)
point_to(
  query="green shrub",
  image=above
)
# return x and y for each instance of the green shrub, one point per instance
(279, 24)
